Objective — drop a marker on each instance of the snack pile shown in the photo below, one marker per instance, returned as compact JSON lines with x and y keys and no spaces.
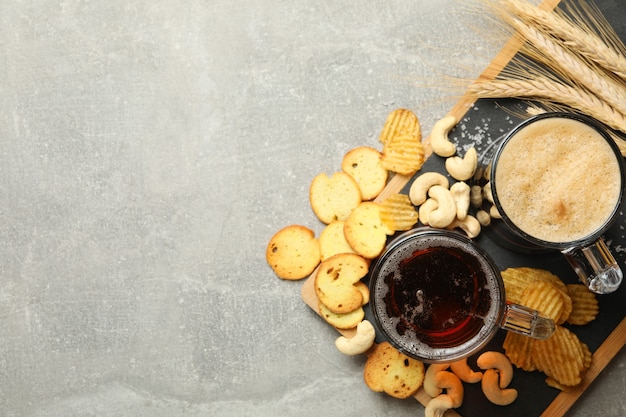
{"x":562,"y":357}
{"x":357,"y":226}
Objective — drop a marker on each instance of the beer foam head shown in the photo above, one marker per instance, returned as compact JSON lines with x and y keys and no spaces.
{"x":558,"y":180}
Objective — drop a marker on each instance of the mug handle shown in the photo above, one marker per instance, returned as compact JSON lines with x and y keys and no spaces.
{"x":596,"y":267}
{"x":523,"y":320}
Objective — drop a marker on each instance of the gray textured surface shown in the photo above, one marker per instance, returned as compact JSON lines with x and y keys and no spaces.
{"x":149,"y":150}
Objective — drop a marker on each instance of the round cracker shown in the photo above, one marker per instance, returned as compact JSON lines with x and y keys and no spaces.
{"x":335,"y":282}
{"x":293,"y":252}
{"x":333,"y":198}
{"x":390,"y":371}
{"x":365,"y":231}
{"x":364,"y":165}
{"x":344,"y":321}
{"x":333,"y":241}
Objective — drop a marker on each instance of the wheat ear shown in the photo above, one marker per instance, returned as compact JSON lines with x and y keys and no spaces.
{"x":584,"y":42}
{"x":573,"y":68}
{"x":546,"y":89}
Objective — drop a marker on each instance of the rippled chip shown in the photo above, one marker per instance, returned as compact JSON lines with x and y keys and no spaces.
{"x":517,"y":279}
{"x":400,"y":122}
{"x":585,"y":306}
{"x":518,"y":348}
{"x":403,"y":154}
{"x":397,"y":212}
{"x":588,"y":357}
{"x":562,"y":358}
{"x":567,"y":307}
{"x":548,"y":300}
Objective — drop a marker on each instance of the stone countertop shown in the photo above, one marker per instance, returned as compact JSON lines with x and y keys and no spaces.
{"x":150,"y":149}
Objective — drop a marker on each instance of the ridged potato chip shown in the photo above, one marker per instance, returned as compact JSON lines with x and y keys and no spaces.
{"x":397,"y":212}
{"x":400,"y":122}
{"x":403,"y":154}
{"x":516,"y":280}
{"x":567,"y":307}
{"x":561,"y":357}
{"x":546,"y":298}
{"x":518,"y":348}
{"x":585,"y":306}
{"x":551,"y":382}
{"x":588,"y":356}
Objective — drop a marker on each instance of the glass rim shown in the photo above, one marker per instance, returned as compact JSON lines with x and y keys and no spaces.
{"x":437,"y":354}
{"x":597,"y":126}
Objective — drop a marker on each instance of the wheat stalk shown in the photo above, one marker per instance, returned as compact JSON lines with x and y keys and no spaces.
{"x":547,"y":89}
{"x":549,"y":69}
{"x":584,"y":41}
{"x":571,"y":67}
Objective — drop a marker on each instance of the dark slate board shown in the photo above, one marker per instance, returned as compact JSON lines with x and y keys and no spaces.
{"x":484,"y":123}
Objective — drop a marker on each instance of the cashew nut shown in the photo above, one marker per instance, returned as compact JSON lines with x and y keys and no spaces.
{"x":425,"y":209}
{"x":469,"y":225}
{"x":438,"y":406}
{"x":499,"y":362}
{"x":421,"y":185}
{"x":487,"y":192}
{"x":464,"y":372}
{"x":483,"y":218}
{"x":476,"y":195}
{"x":453,"y":386}
{"x":487,"y":172}
{"x":493,"y":212}
{"x":439,"y":137}
{"x":463,"y":168}
{"x":430,"y":386}
{"x":461,"y":194}
{"x":493,"y":392}
{"x":445,"y":213}
{"x":360,"y":342}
